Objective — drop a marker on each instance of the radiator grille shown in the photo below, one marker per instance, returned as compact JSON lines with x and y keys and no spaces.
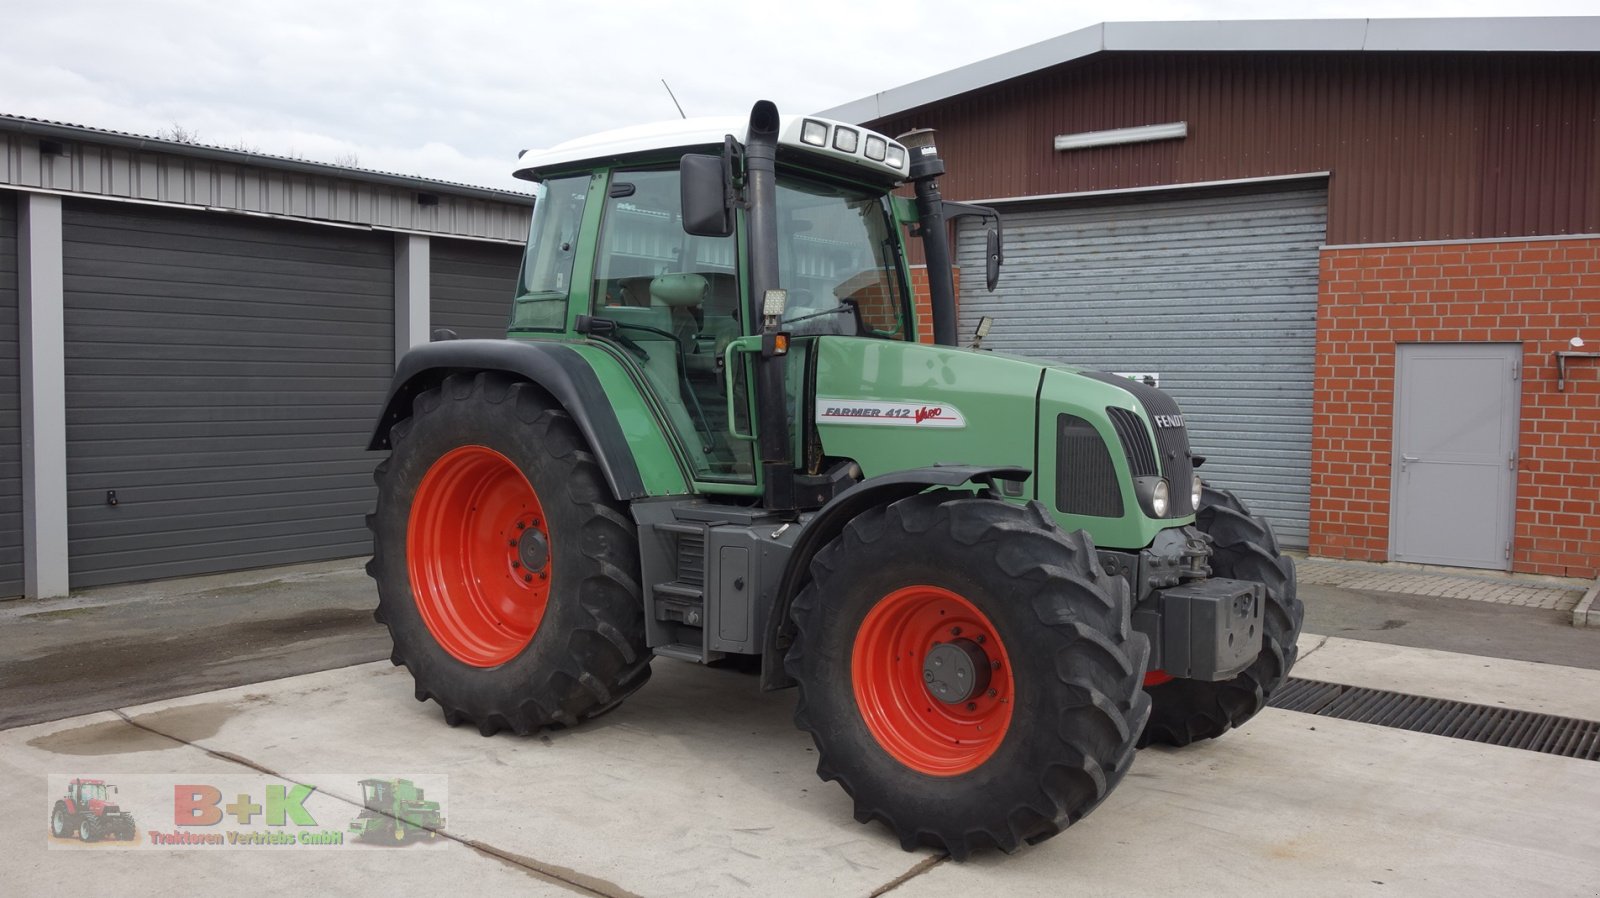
{"x":1086,"y":480}
{"x":1172,"y":442}
{"x":1135,"y":442}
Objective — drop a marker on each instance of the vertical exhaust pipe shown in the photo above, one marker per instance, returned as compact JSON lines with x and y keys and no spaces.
{"x":926,"y":167}
{"x":761,"y":153}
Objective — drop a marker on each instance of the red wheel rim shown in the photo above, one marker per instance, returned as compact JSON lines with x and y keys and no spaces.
{"x":476,"y":528}
{"x":920,"y":731}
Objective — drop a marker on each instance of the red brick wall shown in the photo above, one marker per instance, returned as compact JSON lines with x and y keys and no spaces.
{"x":1538,"y":293}
{"x":921,"y":305}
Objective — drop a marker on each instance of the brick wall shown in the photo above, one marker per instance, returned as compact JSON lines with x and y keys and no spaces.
{"x":921,"y":305}
{"x":1538,"y":293}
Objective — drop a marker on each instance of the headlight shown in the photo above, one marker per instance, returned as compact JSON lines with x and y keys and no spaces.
{"x":845,"y":139}
{"x":1194,"y":494}
{"x":1154,"y":495}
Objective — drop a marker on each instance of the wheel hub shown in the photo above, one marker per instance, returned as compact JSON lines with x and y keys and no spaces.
{"x":533,"y":550}
{"x":955,"y":671}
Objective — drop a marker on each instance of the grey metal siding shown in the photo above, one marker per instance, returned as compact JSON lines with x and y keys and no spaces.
{"x":10,"y":407}
{"x":472,"y":285}
{"x":1214,"y":291}
{"x":222,"y":375}
{"x":263,"y":188}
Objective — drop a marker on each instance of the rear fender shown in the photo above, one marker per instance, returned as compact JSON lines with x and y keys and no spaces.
{"x":830,"y":521}
{"x":557,"y":369}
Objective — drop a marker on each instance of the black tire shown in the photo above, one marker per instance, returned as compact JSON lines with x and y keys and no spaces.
{"x":86,"y":832}
{"x":1244,"y":548}
{"x":1077,"y":667}
{"x":62,"y":823}
{"x":588,"y":652}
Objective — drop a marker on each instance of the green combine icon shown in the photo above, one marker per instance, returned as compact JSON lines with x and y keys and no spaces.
{"x":395,"y":810}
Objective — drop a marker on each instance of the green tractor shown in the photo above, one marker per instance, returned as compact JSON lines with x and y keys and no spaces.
{"x":394,"y":811}
{"x":713,"y":435}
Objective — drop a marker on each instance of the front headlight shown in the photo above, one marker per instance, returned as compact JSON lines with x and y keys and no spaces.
{"x":1154,"y":495}
{"x":1161,"y":499}
{"x":1194,"y":494}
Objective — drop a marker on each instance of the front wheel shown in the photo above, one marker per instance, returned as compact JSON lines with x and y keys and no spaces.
{"x":968,"y":672}
{"x":1243,"y":548}
{"x":85,"y":832}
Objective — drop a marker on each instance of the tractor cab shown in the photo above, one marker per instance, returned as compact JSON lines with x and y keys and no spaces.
{"x":377,"y":795}
{"x":85,"y":792}
{"x":673,"y":293}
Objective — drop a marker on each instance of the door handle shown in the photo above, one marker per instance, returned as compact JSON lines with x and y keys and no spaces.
{"x":1404,"y":457}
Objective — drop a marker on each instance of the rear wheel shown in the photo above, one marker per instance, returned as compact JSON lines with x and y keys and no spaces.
{"x":1244,"y":548}
{"x":61,"y":823}
{"x":967,"y":671}
{"x":507,"y":575}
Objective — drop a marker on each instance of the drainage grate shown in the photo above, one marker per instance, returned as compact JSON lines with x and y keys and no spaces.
{"x":1564,"y":736}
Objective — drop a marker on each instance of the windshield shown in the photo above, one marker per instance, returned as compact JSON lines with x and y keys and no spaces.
{"x":552,"y":247}
{"x":92,"y":792}
{"x":839,"y":259}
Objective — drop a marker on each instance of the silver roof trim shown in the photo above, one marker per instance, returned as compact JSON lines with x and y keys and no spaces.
{"x":1552,"y":34}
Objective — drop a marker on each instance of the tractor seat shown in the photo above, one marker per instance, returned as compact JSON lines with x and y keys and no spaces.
{"x":678,"y":290}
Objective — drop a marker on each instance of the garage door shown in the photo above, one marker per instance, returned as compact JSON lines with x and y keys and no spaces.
{"x":472,"y":285}
{"x":10,"y":407}
{"x":222,"y":378}
{"x":1213,"y":292}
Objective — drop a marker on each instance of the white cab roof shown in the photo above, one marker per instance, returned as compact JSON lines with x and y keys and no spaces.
{"x":700,"y":133}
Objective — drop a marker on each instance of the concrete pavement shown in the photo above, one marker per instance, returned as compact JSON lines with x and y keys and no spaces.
{"x":700,"y":785}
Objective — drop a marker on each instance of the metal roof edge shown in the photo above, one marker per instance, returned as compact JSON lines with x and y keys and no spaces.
{"x":1498,"y":34}
{"x":66,"y":131}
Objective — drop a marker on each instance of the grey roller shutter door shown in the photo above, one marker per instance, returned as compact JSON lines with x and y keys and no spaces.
{"x":1215,"y":291}
{"x":10,"y":407}
{"x":223,"y":375}
{"x":472,"y":285}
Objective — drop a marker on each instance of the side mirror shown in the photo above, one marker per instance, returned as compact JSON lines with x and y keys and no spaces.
{"x":704,"y":188}
{"x":993,"y":256}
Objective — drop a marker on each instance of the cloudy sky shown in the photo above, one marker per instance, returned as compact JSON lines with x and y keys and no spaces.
{"x":454,"y":90}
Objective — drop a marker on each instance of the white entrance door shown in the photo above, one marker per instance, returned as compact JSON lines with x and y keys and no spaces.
{"x":1455,"y":454}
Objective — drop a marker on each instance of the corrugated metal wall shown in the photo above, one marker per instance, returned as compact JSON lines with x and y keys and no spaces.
{"x":10,"y":407}
{"x":222,"y":374}
{"x":1421,"y":146}
{"x":472,"y":285}
{"x":1214,"y":291}
{"x":116,"y":172}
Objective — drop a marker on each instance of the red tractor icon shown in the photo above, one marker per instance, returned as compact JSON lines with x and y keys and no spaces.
{"x":87,"y":811}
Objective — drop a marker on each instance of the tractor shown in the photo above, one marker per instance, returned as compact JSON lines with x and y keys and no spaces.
{"x":87,"y":812}
{"x":716,"y":432}
{"x":395,"y":810}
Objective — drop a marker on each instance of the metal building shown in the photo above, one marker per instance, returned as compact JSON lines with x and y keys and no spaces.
{"x":1262,"y":214}
{"x":193,"y":342}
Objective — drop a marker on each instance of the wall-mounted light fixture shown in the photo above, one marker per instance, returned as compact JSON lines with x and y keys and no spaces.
{"x":1562,"y":356}
{"x":1141,"y":134}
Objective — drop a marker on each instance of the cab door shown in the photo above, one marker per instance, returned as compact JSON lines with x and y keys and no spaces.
{"x":676,"y":303}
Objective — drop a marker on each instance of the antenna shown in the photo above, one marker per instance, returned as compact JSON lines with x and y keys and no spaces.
{"x":674,"y":98}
